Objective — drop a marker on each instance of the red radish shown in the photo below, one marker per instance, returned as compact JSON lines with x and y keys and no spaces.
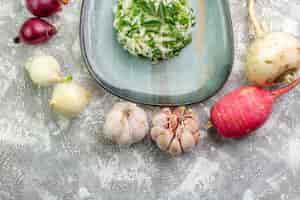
{"x":45,"y":8}
{"x":35,"y":31}
{"x":245,"y":109}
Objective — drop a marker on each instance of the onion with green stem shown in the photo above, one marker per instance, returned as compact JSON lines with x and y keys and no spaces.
{"x":69,"y":98}
{"x":272,"y":54}
{"x":45,"y":70}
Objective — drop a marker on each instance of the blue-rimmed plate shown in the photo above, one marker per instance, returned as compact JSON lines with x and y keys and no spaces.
{"x":196,"y":74}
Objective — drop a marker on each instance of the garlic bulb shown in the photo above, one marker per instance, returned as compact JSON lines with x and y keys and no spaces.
{"x":69,"y":98}
{"x":176,"y":131}
{"x":44,"y":70}
{"x":126,"y":124}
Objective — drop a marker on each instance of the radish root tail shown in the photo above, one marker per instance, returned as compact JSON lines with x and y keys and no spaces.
{"x":253,"y":19}
{"x":208,"y":125}
{"x":277,"y":93}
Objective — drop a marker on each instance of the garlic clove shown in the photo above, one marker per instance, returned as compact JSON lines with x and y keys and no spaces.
{"x":173,"y":122}
{"x":180,"y":131}
{"x":69,"y":99}
{"x":179,"y":112}
{"x":191,"y":125}
{"x":187,"y":141}
{"x":164,"y":139}
{"x":115,"y":124}
{"x":166,"y":111}
{"x":157,"y":131}
{"x":138,"y":122}
{"x":160,"y":120}
{"x":196,"y":136}
{"x":44,"y":70}
{"x":175,"y":149}
{"x":191,"y":114}
{"x":126,"y":137}
{"x":123,"y":107}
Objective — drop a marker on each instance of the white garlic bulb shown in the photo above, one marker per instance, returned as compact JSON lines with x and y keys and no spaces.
{"x":69,"y":98}
{"x":126,"y":124}
{"x":44,"y":70}
{"x":176,"y":131}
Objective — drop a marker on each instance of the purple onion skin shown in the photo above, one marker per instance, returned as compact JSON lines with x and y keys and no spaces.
{"x":36,"y":31}
{"x":44,"y":8}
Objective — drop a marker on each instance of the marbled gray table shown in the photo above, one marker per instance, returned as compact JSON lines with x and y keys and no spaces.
{"x":46,"y":157}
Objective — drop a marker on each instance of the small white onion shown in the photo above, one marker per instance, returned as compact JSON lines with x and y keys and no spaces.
{"x":126,"y":124}
{"x":44,"y":70}
{"x":69,"y":98}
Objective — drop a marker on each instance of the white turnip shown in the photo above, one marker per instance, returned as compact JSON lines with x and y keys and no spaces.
{"x":271,"y":54}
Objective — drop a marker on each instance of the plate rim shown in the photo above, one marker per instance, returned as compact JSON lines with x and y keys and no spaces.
{"x":108,"y":88}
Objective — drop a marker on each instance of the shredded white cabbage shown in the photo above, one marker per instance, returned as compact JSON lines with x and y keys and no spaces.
{"x":156,"y":29}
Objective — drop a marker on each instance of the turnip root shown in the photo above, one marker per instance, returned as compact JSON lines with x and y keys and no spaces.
{"x":271,"y":55}
{"x":245,"y":109}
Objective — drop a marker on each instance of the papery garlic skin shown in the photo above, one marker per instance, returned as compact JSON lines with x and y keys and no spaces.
{"x":43,"y":70}
{"x":175,"y":131}
{"x":126,"y":124}
{"x":69,"y":98}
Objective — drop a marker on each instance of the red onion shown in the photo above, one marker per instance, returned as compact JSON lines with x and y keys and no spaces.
{"x":35,"y":31}
{"x":45,"y":8}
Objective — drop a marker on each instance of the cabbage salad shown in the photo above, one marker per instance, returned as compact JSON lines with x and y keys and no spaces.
{"x":155,"y":29}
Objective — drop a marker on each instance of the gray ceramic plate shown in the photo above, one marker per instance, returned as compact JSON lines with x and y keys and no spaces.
{"x":196,"y":74}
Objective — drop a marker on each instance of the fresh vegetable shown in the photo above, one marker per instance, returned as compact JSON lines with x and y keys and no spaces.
{"x":44,"y":70}
{"x":245,"y":109}
{"x":45,"y":8}
{"x":36,"y":31}
{"x":175,"y":131}
{"x":126,"y":124}
{"x":69,"y":98}
{"x":156,"y":29}
{"x":271,"y":54}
